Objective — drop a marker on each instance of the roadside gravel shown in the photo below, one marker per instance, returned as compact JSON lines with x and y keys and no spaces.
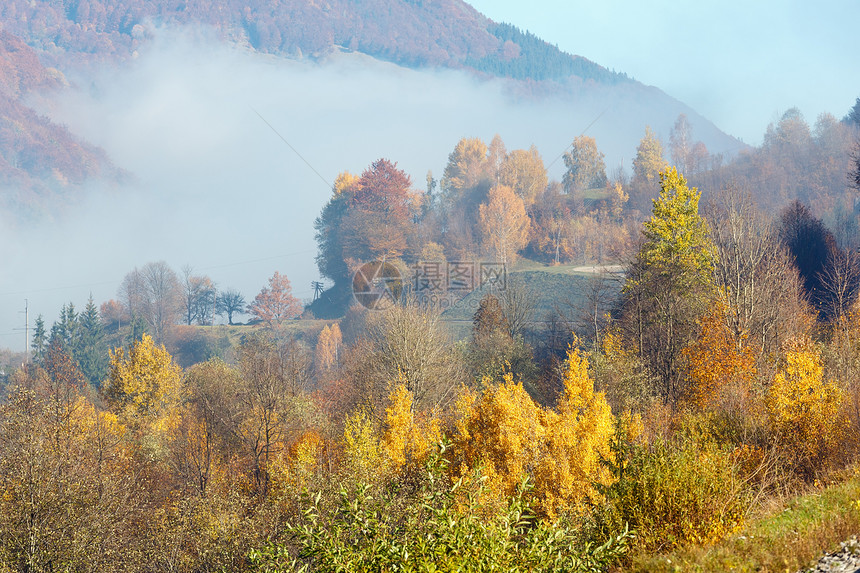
{"x":845,"y":560}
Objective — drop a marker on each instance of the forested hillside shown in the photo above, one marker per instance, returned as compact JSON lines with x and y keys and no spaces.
{"x":82,"y":39}
{"x":448,"y":33}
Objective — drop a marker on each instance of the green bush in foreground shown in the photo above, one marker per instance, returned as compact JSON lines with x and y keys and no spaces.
{"x":438,"y":528}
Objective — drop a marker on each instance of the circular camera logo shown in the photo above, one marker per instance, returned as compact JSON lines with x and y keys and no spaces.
{"x":377,"y":285}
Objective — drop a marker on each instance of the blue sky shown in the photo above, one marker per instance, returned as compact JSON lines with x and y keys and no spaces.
{"x":740,"y":64}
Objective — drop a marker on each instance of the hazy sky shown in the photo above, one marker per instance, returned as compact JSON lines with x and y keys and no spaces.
{"x":738,"y":63}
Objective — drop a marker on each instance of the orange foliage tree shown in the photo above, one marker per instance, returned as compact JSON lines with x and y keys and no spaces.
{"x":276,"y":303}
{"x":720,"y":372}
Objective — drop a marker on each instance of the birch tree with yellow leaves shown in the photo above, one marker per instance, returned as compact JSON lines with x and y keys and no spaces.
{"x":504,"y":224}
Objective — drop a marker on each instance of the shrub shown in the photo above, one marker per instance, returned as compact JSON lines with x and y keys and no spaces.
{"x":672,"y":493}
{"x":437,"y":527}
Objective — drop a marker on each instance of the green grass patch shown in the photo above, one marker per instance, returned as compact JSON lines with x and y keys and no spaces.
{"x":784,"y":538}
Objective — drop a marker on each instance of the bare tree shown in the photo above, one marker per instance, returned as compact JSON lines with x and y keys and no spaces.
{"x":840,"y":280}
{"x":758,"y":283}
{"x":409,"y":344}
{"x":600,"y":294}
{"x":519,"y":302}
{"x":198,"y":297}
{"x":230,"y":302}
{"x":153,"y":294}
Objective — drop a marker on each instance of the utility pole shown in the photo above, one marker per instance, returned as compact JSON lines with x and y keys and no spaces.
{"x":26,"y":313}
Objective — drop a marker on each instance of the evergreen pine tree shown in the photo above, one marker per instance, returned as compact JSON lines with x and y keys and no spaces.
{"x":40,"y":341}
{"x":92,"y":353}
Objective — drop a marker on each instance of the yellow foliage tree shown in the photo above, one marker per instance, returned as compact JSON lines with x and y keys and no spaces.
{"x":802,"y":408}
{"x":578,"y":438}
{"x":510,"y":437}
{"x":294,"y":469}
{"x":409,"y":436}
{"x":502,"y":432}
{"x":344,"y":182}
{"x":361,"y":452}
{"x":524,"y":172}
{"x":143,"y":386}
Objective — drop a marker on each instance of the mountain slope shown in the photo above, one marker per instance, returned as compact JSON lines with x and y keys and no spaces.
{"x":414,"y":33}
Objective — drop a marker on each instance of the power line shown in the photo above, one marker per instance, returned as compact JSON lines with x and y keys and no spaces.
{"x":580,"y":135}
{"x":328,"y":185}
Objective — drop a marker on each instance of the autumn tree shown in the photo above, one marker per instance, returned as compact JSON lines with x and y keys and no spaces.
{"x":550,"y":229}
{"x":504,"y":224}
{"x":510,"y":436}
{"x":579,"y":443}
{"x":670,"y":283}
{"x":70,"y":495}
{"x":647,"y":166}
{"x":113,"y":314}
{"x":468,"y":168}
{"x":328,"y":348}
{"x":802,"y":408}
{"x":143,"y":385}
{"x":524,"y":172}
{"x":585,"y":166}
{"x":466,"y":180}
{"x":721,"y":372}
{"x":275,"y":303}
{"x":408,"y":437}
{"x":377,"y":224}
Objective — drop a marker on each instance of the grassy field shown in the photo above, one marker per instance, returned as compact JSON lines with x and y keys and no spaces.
{"x":554,"y":289}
